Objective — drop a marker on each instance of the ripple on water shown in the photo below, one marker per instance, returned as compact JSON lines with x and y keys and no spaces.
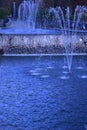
{"x":65,"y":72}
{"x":64,"y":67}
{"x":64,"y":77}
{"x":35,"y":70}
{"x":85,"y":127}
{"x":45,"y":76}
{"x":38,"y":69}
{"x":32,"y":71}
{"x":35,"y":73}
{"x":50,"y":67}
{"x":83,"y":76}
{"x":79,"y":67}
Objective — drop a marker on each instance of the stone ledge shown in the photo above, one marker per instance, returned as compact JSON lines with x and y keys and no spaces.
{"x":39,"y":44}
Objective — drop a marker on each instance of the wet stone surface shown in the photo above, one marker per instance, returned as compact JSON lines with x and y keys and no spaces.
{"x":34,"y":44}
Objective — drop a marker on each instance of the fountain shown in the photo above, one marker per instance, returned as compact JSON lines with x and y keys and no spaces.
{"x":69,"y":29}
{"x":36,"y":90}
{"x":27,"y":12}
{"x":26,"y":23}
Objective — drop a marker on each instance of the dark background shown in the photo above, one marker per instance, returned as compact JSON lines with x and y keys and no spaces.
{"x":47,"y":3}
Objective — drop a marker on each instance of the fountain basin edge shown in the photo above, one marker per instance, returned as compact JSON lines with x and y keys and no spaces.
{"x":39,"y":44}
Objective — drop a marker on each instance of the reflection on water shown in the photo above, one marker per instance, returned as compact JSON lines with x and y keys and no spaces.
{"x":40,"y":94}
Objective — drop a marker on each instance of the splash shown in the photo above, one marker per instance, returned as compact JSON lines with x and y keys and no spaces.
{"x":27,"y":13}
{"x":68,"y":28}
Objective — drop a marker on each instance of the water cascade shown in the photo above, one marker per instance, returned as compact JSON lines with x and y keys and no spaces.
{"x":68,"y":28}
{"x":27,"y":12}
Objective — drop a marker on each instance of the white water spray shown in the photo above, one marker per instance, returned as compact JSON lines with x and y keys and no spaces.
{"x":68,"y":28}
{"x":27,"y":12}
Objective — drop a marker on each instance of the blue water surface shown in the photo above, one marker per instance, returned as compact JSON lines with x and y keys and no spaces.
{"x":38,"y":93}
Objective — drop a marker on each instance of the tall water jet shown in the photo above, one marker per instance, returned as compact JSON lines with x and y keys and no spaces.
{"x":14,"y":10}
{"x":27,"y":12}
{"x":68,"y":28}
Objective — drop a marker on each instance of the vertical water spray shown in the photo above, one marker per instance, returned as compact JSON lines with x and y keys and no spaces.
{"x":14,"y":10}
{"x":68,"y":28}
{"x":27,"y":12}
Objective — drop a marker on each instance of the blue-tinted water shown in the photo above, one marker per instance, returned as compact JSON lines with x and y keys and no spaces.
{"x":38,"y":93}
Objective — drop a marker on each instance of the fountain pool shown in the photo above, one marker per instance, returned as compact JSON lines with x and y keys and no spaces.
{"x":38,"y":93}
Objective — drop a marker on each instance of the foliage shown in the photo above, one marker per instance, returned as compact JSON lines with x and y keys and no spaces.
{"x":84,"y":16}
{"x":4,"y":12}
{"x":42,"y":13}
